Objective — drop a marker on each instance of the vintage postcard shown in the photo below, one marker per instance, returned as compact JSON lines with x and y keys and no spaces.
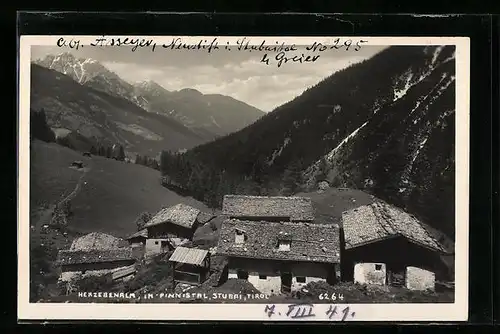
{"x":243,"y":178}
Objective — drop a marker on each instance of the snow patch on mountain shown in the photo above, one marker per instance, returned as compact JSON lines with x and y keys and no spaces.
{"x":399,"y":93}
{"x":278,"y":152}
{"x":214,"y":121}
{"x":332,"y":153}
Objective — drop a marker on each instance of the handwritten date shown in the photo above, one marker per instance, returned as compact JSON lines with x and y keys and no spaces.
{"x":301,"y":311}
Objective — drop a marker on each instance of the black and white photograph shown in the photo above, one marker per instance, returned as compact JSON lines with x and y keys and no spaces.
{"x":288,"y":177}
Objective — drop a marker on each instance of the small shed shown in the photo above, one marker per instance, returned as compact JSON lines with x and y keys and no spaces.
{"x":190,"y":265}
{"x":138,"y":238}
{"x":77,"y":164}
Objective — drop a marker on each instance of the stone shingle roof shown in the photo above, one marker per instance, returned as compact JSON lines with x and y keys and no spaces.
{"x":97,"y":240}
{"x":204,"y":217}
{"x":180,"y":214}
{"x":65,"y":257}
{"x":309,"y":242}
{"x":139,"y":234}
{"x":378,"y":221}
{"x":246,"y":207}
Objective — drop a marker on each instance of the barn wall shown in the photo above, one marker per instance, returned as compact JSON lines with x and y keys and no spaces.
{"x":137,"y":241}
{"x":397,"y":253}
{"x":312,"y":272}
{"x":153,"y":247}
{"x":69,"y":272}
{"x":370,"y":273}
{"x":271,"y":284}
{"x":168,"y":229}
{"x":138,"y":250}
{"x":419,"y":279}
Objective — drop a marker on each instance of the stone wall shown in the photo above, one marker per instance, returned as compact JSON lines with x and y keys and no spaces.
{"x":420,"y":279}
{"x":267,"y":279}
{"x":153,"y":247}
{"x":370,"y":273}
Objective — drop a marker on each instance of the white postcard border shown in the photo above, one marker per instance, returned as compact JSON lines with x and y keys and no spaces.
{"x":457,"y":311}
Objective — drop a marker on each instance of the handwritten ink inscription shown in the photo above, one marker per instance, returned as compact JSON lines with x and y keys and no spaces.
{"x":272,"y":52}
{"x":301,"y":311}
{"x":345,"y":313}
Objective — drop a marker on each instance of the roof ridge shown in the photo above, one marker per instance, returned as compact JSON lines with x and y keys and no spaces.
{"x":267,"y":197}
{"x":289,"y":223}
{"x":384,"y":221}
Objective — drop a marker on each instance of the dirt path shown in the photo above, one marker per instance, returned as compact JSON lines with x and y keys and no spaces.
{"x":45,"y":217}
{"x":75,"y":191}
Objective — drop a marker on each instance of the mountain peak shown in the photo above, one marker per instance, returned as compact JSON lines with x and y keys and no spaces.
{"x":190,"y":91}
{"x":149,"y":84}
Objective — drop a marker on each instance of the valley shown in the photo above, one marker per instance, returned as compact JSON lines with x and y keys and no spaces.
{"x":381,"y":130}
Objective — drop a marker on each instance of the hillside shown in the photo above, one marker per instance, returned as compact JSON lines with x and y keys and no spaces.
{"x":207,"y":115}
{"x":385,"y":125}
{"x":214,"y":113}
{"x":102,"y":117}
{"x":329,"y":204}
{"x":112,"y":193}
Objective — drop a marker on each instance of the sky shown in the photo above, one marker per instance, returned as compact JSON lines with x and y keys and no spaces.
{"x":239,"y":74}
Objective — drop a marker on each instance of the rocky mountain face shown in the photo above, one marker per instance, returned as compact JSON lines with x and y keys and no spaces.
{"x":207,"y":115}
{"x":385,"y":125}
{"x":71,"y":107}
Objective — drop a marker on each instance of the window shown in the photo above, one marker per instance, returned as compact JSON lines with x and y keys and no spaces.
{"x":284,"y":245}
{"x":262,"y":276}
{"x":378,"y":267}
{"x":239,"y":237}
{"x":156,"y":242}
{"x":300,"y":279}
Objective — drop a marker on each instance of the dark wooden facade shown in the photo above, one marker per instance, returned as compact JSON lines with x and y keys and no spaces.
{"x":166,"y":230}
{"x":97,"y":266}
{"x":397,"y":253}
{"x":190,"y":274}
{"x":284,"y":268}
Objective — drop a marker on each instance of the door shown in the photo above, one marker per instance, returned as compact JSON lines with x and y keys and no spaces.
{"x":164,"y":246}
{"x":242,"y":274}
{"x":286,"y":282}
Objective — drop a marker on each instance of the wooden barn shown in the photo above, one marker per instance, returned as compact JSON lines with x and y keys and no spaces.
{"x":138,"y":238}
{"x":190,"y":265}
{"x":177,"y":222}
{"x":280,"y":257}
{"x":383,"y":245}
{"x":138,"y":242}
{"x":96,"y":262}
{"x":268,"y":208}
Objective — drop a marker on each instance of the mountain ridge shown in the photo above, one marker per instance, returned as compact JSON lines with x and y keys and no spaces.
{"x":217,"y":114}
{"x":362,"y":127}
{"x":96,"y":115}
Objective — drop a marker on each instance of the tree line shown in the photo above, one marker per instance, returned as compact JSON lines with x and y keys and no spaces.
{"x":115,"y":151}
{"x":39,"y":129}
{"x":208,"y":183}
{"x":147,"y":161}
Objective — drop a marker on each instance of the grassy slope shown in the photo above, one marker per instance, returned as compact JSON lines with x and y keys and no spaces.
{"x":112,"y":195}
{"x":330,"y":204}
